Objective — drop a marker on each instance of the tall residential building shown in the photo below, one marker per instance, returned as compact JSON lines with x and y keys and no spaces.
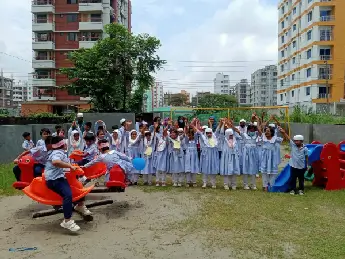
{"x":222,"y":84}
{"x":59,"y":27}
{"x":243,"y":93}
{"x":264,"y":86}
{"x":6,"y":92}
{"x":311,"y":53}
{"x":22,"y":92}
{"x":147,"y":101}
{"x":157,"y":95}
{"x":174,"y":99}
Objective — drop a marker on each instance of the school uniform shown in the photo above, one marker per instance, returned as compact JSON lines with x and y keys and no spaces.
{"x":28,"y":144}
{"x":230,"y":159}
{"x":176,"y":160}
{"x":160,"y":163}
{"x":40,"y":142}
{"x":134,"y":151}
{"x":92,"y":151}
{"x":72,"y":144}
{"x":250,"y":159}
{"x":241,"y":145}
{"x":191,"y":162}
{"x":148,"y":147}
{"x":269,"y":160}
{"x":298,"y":166}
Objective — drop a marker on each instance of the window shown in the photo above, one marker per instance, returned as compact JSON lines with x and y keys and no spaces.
{"x":309,"y":34}
{"x":283,"y":39}
{"x":294,"y":60}
{"x":281,"y":97}
{"x":72,"y":1}
{"x":72,"y":17}
{"x":283,"y":10}
{"x":294,"y":27}
{"x":282,"y":68}
{"x":282,"y":82}
{"x":293,"y":77}
{"x":282,"y":24}
{"x":96,"y":17}
{"x":61,"y":33}
{"x":41,"y":18}
{"x":275,"y":73}
{"x":294,"y":44}
{"x":309,"y":72}
{"x":307,"y":91}
{"x":292,"y":93}
{"x":310,"y":16}
{"x":294,"y":11}
{"x":72,"y":36}
{"x":309,"y":54}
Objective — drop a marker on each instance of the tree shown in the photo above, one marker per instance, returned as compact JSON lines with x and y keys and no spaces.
{"x":216,"y":101}
{"x":107,"y":71}
{"x":178,"y":99}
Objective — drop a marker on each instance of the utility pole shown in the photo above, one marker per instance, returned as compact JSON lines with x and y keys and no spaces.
{"x":3,"y":88}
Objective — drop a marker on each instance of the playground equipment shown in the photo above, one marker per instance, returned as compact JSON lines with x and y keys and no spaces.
{"x":26,"y":165}
{"x":38,"y":191}
{"x":327,"y":163}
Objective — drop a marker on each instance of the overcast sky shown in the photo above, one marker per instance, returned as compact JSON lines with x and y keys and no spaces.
{"x":197,"y":35}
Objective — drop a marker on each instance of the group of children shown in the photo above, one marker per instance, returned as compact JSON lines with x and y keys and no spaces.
{"x":179,"y":148}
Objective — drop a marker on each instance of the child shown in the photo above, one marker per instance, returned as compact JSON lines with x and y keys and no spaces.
{"x":90,"y":149}
{"x":230,"y":162}
{"x":161,"y":155}
{"x":75,"y":141}
{"x":176,"y":158}
{"x":243,"y":129}
{"x":115,"y":141}
{"x":298,"y":162}
{"x":250,"y":157}
{"x":44,"y":134}
{"x":57,"y":129}
{"x":269,"y":158}
{"x":87,"y":128}
{"x":56,"y":181}
{"x":148,"y":144}
{"x":28,"y":143}
{"x":111,"y":158}
{"x":134,"y":151}
{"x":209,"y":159}
{"x":191,"y":163}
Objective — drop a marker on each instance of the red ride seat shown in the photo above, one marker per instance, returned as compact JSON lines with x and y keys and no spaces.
{"x":95,"y":171}
{"x":39,"y":191}
{"x":117,"y":178}
{"x":26,"y":165}
{"x":77,"y":155}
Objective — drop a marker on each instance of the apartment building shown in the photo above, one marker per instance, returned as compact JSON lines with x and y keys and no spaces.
{"x":311,"y":59}
{"x":22,"y":92}
{"x":157,"y":95}
{"x":197,"y":96}
{"x":222,"y":84}
{"x":174,"y":99}
{"x":6,"y":92}
{"x":264,"y":86}
{"x":242,"y":90}
{"x":147,"y":101}
{"x":60,"y":27}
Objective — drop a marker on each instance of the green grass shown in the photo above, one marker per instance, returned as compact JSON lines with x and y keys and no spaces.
{"x":6,"y":180}
{"x":254,"y":224}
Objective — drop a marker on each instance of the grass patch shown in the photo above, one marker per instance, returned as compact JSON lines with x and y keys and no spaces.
{"x":6,"y":180}
{"x":254,"y":224}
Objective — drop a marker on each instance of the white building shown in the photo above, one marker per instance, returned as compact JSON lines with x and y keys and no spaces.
{"x":311,"y":53}
{"x":222,"y":84}
{"x":157,"y":95}
{"x":264,"y":86}
{"x":243,"y":92}
{"x":22,"y":92}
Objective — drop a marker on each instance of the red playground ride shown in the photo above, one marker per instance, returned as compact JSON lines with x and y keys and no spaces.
{"x":26,"y":165}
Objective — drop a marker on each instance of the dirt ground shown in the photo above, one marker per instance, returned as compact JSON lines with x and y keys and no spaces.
{"x":137,"y":225}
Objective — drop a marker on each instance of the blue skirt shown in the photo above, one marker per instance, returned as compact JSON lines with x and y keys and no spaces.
{"x":176,"y":162}
{"x":250,"y":160}
{"x":229,"y":163}
{"x":209,"y":161}
{"x":148,"y":165}
{"x":161,"y":161}
{"x":191,"y":162}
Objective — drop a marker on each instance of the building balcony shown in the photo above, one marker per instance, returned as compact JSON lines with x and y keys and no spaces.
{"x":41,"y":63}
{"x":43,"y":81}
{"x":42,"y":6}
{"x":42,"y":45}
{"x":325,"y":57}
{"x":324,"y":96}
{"x":325,"y":76}
{"x":44,"y":98}
{"x":93,"y":25}
{"x":87,"y":44}
{"x":90,"y":6}
{"x":327,"y":18}
{"x":42,"y":25}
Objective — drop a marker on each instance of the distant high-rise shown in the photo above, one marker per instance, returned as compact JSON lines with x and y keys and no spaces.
{"x":243,"y":93}
{"x":222,"y":84}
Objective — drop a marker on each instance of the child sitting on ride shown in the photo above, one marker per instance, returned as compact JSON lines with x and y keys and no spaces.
{"x":75,"y":141}
{"x":28,"y":143}
{"x":90,"y":149}
{"x":44,"y":134}
{"x":39,"y":153}
{"x":111,"y":158}
{"x":56,"y":181}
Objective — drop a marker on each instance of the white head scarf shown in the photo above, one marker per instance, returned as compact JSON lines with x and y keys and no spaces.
{"x":75,"y":144}
{"x":131,"y":141}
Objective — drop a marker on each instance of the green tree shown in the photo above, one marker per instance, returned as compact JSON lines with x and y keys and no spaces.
{"x":217,"y":101}
{"x":107,"y":71}
{"x":178,"y":99}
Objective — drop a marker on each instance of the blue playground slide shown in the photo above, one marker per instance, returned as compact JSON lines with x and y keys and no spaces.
{"x":282,"y":181}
